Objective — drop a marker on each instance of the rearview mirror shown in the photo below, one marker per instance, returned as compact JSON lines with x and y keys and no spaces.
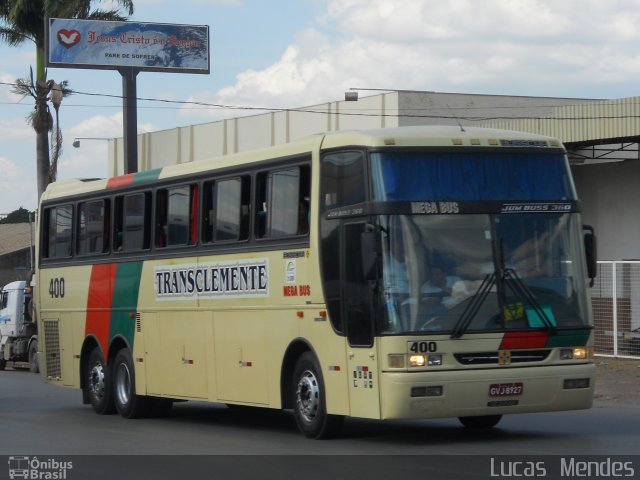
{"x":370,"y":250}
{"x":590,"y":250}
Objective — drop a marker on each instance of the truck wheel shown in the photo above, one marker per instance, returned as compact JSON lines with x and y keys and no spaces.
{"x":128,"y":403}
{"x":486,"y":421}
{"x":98,"y":384}
{"x":34,"y":357}
{"x":309,"y":404}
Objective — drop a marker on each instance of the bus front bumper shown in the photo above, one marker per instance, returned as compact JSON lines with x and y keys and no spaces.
{"x":494,"y":391}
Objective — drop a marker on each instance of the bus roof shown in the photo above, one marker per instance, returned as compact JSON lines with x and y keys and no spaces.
{"x":434,"y":136}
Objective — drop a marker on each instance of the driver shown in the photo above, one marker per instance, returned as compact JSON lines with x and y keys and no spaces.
{"x":442,"y":292}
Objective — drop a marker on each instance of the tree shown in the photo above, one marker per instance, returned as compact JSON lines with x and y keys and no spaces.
{"x":22,"y":215}
{"x":24,"y":20}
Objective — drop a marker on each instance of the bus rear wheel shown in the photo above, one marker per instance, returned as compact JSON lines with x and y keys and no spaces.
{"x":128,"y":403}
{"x":98,"y":384}
{"x":486,"y":421}
{"x":309,"y":404}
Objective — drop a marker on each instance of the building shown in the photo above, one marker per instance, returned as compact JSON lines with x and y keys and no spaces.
{"x":601,"y":137}
{"x":15,"y":252}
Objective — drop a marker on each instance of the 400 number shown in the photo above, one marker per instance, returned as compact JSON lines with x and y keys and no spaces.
{"x":423,"y":347}
{"x":56,"y":287}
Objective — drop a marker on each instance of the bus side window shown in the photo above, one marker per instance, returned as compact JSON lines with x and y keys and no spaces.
{"x":342,"y":179}
{"x":174,"y":223}
{"x":131,"y":222}
{"x":231,"y":209}
{"x":283,"y":202}
{"x":92,"y":235}
{"x":208,"y":214}
{"x":226,"y":209}
{"x":59,"y":226}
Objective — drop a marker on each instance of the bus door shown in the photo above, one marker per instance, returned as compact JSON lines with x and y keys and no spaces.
{"x":358,"y":311}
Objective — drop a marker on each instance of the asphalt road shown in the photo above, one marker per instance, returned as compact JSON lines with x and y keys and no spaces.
{"x":44,"y":420}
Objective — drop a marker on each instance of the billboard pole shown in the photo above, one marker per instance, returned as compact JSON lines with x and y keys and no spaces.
{"x":130,"y":118}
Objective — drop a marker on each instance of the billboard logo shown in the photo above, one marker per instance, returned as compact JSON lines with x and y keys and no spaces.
{"x":68,"y":38}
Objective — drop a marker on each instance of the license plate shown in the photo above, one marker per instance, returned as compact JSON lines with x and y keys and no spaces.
{"x":505,"y":389}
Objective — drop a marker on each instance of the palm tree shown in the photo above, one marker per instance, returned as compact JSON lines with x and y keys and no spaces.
{"x":22,"y":20}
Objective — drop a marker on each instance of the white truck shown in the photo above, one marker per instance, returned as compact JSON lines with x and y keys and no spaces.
{"x":18,"y":329}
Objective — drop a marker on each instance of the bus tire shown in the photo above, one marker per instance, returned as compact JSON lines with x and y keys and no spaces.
{"x":309,"y":403}
{"x":33,"y":357}
{"x":128,"y":403}
{"x":98,"y":384}
{"x":486,"y":421}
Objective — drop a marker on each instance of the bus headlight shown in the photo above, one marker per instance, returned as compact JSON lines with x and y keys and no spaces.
{"x":417,"y":360}
{"x":578,"y":353}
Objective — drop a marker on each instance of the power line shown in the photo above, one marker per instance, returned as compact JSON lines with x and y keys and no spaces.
{"x":362,"y":113}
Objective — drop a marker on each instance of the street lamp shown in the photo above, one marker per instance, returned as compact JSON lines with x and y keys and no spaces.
{"x":76,"y":141}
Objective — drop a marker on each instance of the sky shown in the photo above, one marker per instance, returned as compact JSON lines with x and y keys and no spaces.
{"x":295,"y":53}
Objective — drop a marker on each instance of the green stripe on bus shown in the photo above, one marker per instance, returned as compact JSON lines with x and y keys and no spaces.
{"x":569,"y":338}
{"x":125,"y":300}
{"x":147,"y":176}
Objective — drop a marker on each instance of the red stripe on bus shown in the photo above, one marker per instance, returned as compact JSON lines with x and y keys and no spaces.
{"x":99,"y":304}
{"x":121,"y":181}
{"x":520,"y":340}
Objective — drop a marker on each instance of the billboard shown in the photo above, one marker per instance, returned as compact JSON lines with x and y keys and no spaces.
{"x":99,"y":44}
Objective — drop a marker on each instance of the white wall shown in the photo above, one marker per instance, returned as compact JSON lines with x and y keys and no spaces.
{"x":610,"y":195}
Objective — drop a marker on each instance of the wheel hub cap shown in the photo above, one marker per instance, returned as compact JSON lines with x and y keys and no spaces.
{"x":123,"y":384}
{"x":96,"y":381}
{"x":308,"y":396}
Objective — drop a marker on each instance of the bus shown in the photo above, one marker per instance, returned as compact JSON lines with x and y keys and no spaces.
{"x":399,"y":273}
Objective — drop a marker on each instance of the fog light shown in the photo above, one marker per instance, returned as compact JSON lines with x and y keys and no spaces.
{"x":417,"y":360}
{"x":396,"y":361}
{"x":435,"y":391}
{"x":573,"y":383}
{"x":434,"y":360}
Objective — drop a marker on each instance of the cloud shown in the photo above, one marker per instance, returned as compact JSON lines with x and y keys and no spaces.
{"x":16,"y":187}
{"x":90,"y":160}
{"x":9,"y":169}
{"x":518,"y":47}
{"x":16,"y":129}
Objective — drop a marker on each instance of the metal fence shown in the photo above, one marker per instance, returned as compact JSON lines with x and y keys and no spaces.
{"x":615,"y":298}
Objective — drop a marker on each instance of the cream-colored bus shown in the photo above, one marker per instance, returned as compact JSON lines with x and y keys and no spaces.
{"x":407,"y":273}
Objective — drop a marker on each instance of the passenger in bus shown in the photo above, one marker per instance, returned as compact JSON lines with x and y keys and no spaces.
{"x":442,"y":292}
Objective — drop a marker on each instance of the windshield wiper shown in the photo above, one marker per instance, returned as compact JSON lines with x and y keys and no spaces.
{"x":520,"y":289}
{"x":474,"y":305}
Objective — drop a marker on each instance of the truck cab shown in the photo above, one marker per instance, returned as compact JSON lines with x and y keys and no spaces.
{"x":18,"y":330}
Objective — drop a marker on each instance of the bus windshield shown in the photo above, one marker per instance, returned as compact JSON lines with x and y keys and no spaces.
{"x":492,"y":271}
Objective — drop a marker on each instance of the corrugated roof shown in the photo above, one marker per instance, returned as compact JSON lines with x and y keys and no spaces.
{"x":584,"y":123}
{"x":14,"y":237}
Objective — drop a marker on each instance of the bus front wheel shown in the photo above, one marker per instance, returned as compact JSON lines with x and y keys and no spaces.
{"x":487,"y":421}
{"x":128,"y":403}
{"x":98,"y":384}
{"x":309,"y":404}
